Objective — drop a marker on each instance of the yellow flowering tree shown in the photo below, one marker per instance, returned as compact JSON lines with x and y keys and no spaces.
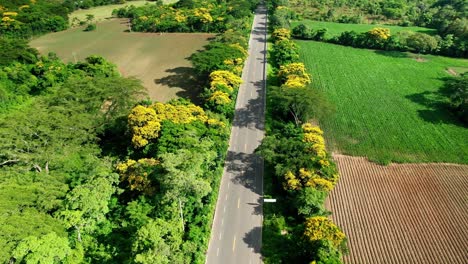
{"x":321,"y":228}
{"x":294,"y":75}
{"x":224,"y":78}
{"x":136,"y":174}
{"x":145,"y":121}
{"x":281,"y":34}
{"x":220,"y":98}
{"x":379,"y":33}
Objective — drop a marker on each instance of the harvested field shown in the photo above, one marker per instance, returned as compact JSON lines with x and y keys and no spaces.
{"x":159,"y":60}
{"x":402,"y":213}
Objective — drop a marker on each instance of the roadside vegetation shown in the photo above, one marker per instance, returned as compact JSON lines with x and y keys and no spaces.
{"x":93,"y":172}
{"x":299,"y":172}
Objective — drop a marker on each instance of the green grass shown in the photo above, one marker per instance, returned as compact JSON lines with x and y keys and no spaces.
{"x":159,"y":60}
{"x":335,"y":29}
{"x":387,"y":107}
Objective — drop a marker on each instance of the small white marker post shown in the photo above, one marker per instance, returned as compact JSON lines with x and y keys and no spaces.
{"x":269,"y":200}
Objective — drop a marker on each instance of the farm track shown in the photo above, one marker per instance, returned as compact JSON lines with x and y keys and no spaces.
{"x":402,"y":213}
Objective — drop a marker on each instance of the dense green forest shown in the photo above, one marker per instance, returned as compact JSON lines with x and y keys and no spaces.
{"x":91,"y":171}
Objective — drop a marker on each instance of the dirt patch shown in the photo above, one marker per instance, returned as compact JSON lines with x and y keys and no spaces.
{"x":452,"y":72}
{"x":419,"y":59}
{"x":402,"y":213}
{"x":160,"y":61}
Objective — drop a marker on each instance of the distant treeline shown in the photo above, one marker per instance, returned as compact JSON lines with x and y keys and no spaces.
{"x":27,"y":18}
{"x":449,"y":18}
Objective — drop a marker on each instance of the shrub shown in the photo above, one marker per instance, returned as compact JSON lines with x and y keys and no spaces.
{"x":422,"y":43}
{"x":284,"y":52}
{"x":90,"y":27}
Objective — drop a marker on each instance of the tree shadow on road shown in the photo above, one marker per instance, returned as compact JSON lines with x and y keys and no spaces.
{"x":251,"y":115}
{"x":253,"y":239}
{"x":244,"y":169}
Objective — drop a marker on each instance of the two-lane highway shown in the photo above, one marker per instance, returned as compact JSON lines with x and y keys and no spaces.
{"x":236,"y":236}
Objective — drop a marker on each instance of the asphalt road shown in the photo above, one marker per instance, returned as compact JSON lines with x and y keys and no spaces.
{"x":236,"y":236}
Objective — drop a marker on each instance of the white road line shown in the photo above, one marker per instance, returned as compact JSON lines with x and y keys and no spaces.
{"x":229,"y":184}
{"x":226,"y":197}
{"x":238,"y":203}
{"x":245,"y":147}
{"x":220,"y":236}
{"x":217,"y":252}
{"x":251,"y":93}
{"x":234,"y":244}
{"x":222,"y":221}
{"x":224,"y":208}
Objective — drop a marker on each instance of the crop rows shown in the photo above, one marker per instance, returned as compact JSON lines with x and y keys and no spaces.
{"x":406,"y":213}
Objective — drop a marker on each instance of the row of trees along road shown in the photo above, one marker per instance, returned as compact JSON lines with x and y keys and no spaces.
{"x":91,"y":172}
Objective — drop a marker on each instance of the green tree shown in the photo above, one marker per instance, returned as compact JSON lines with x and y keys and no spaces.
{"x":49,"y":248}
{"x":157,"y":242}
{"x":87,"y":204}
{"x":422,"y":43}
{"x":302,"y":104}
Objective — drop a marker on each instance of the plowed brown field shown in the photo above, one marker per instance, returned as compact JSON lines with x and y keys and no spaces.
{"x":402,"y":213}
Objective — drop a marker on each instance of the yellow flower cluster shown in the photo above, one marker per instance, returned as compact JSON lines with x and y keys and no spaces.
{"x":23,"y":7}
{"x":135,"y":173}
{"x":306,"y":178}
{"x":292,"y":183}
{"x":380,"y":33}
{"x":220,"y":98}
{"x":145,"y":122}
{"x":225,"y":78}
{"x":5,"y":14}
{"x":314,"y":136}
{"x":319,"y":227}
{"x":281,"y":34}
{"x":203,"y":14}
{"x":294,"y":75}
{"x":179,"y":17}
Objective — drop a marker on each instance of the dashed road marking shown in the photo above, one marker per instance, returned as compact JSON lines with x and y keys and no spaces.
{"x":217,"y":252}
{"x":234,"y":244}
{"x":238,"y":203}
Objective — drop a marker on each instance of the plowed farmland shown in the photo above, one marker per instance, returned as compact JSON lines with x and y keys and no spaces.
{"x":402,"y":213}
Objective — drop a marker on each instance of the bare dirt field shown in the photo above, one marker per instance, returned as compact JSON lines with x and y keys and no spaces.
{"x":402,"y":213}
{"x":159,"y":60}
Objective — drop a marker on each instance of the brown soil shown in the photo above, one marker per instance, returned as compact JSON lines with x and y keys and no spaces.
{"x":402,"y":213}
{"x":160,"y":61}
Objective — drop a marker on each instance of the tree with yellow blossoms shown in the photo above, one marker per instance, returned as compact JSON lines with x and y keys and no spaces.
{"x":281,"y":34}
{"x":294,"y":75}
{"x":224,"y":78}
{"x":137,"y":174}
{"x":145,"y":121}
{"x":322,"y":228}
